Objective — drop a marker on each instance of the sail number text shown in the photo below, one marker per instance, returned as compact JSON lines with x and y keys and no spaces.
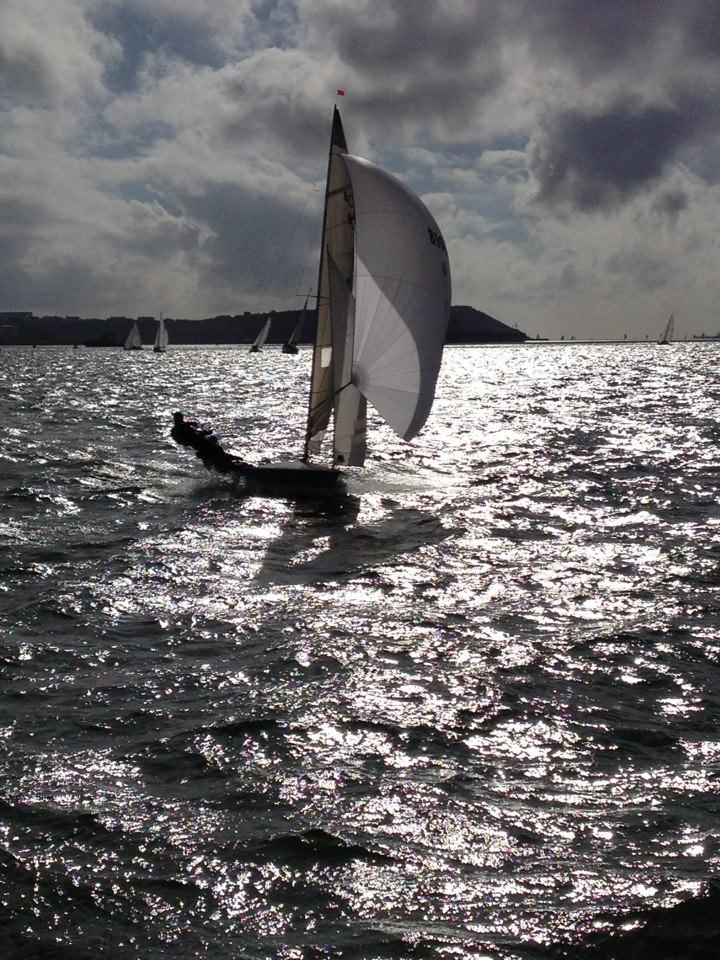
{"x":437,"y":240}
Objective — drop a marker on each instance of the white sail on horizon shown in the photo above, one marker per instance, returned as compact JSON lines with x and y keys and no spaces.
{"x":161,"y":337}
{"x":669,"y":331}
{"x":261,"y":337}
{"x":133,"y":341}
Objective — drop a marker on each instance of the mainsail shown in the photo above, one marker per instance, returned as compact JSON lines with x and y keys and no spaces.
{"x":383,"y":306}
{"x":261,"y":338}
{"x":161,"y":337}
{"x":337,"y":244}
{"x":669,"y":331}
{"x":133,"y":341}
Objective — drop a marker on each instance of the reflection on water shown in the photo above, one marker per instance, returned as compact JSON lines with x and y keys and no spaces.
{"x":468,"y":710}
{"x":332,"y":540}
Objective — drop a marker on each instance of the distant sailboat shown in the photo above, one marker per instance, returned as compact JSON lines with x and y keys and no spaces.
{"x":291,"y":345}
{"x":161,"y":337}
{"x":133,"y":341}
{"x":669,"y":331}
{"x":261,"y":338}
{"x":383,"y":301}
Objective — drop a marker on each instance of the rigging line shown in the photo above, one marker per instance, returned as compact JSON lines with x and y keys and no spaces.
{"x":303,"y":267}
{"x":332,"y":396}
{"x":284,"y":249}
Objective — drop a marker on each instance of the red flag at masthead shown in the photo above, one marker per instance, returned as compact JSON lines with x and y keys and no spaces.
{"x":341,"y":93}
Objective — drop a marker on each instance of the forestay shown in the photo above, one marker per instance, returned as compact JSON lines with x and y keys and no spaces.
{"x":402,"y":297}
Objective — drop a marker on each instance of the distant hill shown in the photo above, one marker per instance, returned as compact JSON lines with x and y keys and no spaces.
{"x":467,"y":325}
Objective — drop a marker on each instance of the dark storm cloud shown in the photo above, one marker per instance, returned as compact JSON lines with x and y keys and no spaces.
{"x":670,"y":204}
{"x":24,"y":76}
{"x":257,"y":244}
{"x":141,"y":32}
{"x":645,"y":271}
{"x":432,"y":61}
{"x":590,"y":35}
{"x":66,"y":284}
{"x":156,"y":237}
{"x":17,"y":211}
{"x":392,"y":37}
{"x":701,"y":20}
{"x":441,"y":65}
{"x":292,"y":121}
{"x":450,"y":100}
{"x":221,"y":102}
{"x":594,"y":160}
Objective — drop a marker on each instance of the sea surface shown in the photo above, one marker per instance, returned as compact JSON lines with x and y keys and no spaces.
{"x":469,"y":710}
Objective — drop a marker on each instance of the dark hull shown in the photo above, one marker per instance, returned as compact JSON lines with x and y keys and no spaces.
{"x":296,"y":479}
{"x":289,"y":478}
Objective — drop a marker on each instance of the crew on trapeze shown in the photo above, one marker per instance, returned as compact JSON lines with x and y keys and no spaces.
{"x":205,"y":444}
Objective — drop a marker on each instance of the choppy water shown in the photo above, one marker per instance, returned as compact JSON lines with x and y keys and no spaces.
{"x":471,"y":711}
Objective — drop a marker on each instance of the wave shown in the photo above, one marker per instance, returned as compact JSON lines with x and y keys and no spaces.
{"x":690,"y":930}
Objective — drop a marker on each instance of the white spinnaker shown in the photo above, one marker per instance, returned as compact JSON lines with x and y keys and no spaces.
{"x":402,"y":297}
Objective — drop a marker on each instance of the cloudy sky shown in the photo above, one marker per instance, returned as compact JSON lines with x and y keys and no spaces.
{"x":169,"y":154}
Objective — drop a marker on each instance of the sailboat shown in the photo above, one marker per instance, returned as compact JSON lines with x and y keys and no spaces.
{"x":669,"y":331}
{"x":291,"y":345}
{"x":161,"y":337}
{"x":133,"y":341}
{"x":383,"y":299}
{"x":261,"y":338}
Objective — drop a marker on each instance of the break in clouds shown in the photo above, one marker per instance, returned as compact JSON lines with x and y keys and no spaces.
{"x":168,"y":154}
